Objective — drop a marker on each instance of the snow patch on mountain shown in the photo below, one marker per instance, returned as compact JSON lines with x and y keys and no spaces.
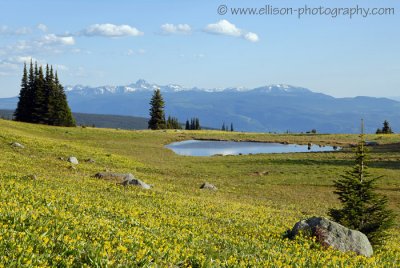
{"x":142,"y":86}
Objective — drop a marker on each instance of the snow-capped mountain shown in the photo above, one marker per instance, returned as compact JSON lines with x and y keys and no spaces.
{"x":142,"y":85}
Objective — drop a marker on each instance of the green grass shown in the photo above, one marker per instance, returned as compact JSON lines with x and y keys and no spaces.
{"x":68,"y":218}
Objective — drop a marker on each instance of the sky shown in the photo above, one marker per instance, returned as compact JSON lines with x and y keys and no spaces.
{"x":203,"y":44}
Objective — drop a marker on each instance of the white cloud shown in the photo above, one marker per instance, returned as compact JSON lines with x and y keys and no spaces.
{"x":13,"y":65}
{"x":111,"y":30}
{"x":5,"y":30}
{"x":60,"y":67}
{"x":59,"y":40}
{"x":132,"y":52}
{"x":169,"y":28}
{"x":42,"y":27}
{"x":252,"y":37}
{"x":224,"y":27}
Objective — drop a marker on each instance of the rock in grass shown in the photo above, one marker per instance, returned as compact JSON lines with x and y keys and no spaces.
{"x":90,"y":160}
{"x":17,"y":145}
{"x":125,"y":179}
{"x":30,"y":177}
{"x":331,"y":234}
{"x":73,"y":160}
{"x":208,"y":186}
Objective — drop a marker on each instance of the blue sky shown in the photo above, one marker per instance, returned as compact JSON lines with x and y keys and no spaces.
{"x":187,"y":42}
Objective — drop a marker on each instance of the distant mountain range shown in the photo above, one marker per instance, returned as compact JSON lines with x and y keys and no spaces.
{"x":273,"y":108}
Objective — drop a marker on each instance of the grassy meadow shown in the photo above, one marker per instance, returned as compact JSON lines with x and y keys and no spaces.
{"x":66,"y":217}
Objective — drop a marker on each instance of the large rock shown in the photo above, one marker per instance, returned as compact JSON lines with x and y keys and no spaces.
{"x":17,"y":145}
{"x":208,"y":186}
{"x":73,"y":160}
{"x":332,"y":234}
{"x":125,"y":179}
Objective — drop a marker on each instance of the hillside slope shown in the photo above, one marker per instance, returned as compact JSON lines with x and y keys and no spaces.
{"x":66,"y":217}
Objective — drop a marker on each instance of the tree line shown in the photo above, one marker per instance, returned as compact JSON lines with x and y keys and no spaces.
{"x":42,"y":99}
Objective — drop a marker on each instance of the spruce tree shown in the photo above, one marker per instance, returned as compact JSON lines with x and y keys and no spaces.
{"x":39,"y":106}
{"x":386,"y":128}
{"x":22,"y":112}
{"x":157,"y":116}
{"x":197,"y":124}
{"x":42,"y":98}
{"x":223,"y":126}
{"x":192,"y":124}
{"x":62,"y":112}
{"x":363,"y":208}
{"x":187,"y":126}
{"x":231,"y":127}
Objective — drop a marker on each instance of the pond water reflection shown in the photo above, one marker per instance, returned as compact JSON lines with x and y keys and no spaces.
{"x":208,"y":148}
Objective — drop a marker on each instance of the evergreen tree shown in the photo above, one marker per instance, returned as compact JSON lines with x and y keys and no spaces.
{"x":192,"y":124}
{"x":223,"y":126}
{"x":187,"y":127}
{"x":197,"y":124}
{"x":42,"y":98}
{"x":62,"y":115}
{"x":231,"y":127}
{"x":22,"y":112}
{"x":173,"y":123}
{"x":386,"y":128}
{"x":39,"y":105}
{"x":157,"y":116}
{"x":363,"y":209}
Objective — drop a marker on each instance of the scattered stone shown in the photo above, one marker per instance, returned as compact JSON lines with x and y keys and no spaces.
{"x":124,"y":179}
{"x":17,"y":145}
{"x":332,"y":234}
{"x":260,"y":173}
{"x":73,"y":160}
{"x":61,"y":158}
{"x":30,"y":177}
{"x":90,"y":160}
{"x":208,"y":186}
{"x":72,"y":168}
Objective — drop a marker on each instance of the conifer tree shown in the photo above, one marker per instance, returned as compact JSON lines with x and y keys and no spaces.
{"x":187,"y":127}
{"x":197,"y":124}
{"x":363,"y":208}
{"x":386,"y":128}
{"x":42,"y":98}
{"x":62,"y":112}
{"x":223,"y":126}
{"x":232,"y":127}
{"x":192,"y":124}
{"x":157,"y":116}
{"x":22,"y":112}
{"x":39,"y":105}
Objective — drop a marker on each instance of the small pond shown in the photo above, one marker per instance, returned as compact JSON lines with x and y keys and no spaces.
{"x":209,"y":148}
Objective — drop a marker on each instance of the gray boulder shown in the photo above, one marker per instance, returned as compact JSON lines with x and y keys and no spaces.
{"x":208,"y":186}
{"x":17,"y":145}
{"x":124,"y":179}
{"x":73,"y":160}
{"x":332,"y":234}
